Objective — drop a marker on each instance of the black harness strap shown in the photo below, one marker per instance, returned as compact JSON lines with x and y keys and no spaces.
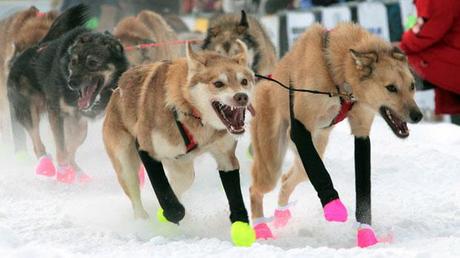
{"x":231,"y":183}
{"x":363,"y":180}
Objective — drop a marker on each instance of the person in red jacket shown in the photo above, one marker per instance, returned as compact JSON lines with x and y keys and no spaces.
{"x":433,"y":48}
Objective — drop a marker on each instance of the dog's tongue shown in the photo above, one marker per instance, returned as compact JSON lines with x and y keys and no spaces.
{"x":251,"y":110}
{"x":85,"y":100}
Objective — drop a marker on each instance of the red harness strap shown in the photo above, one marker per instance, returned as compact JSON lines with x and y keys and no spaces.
{"x":189,"y":141}
{"x":345,"y":107}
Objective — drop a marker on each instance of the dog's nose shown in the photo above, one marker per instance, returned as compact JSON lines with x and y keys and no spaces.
{"x":74,"y":83}
{"x":241,"y":99}
{"x":415,"y":115}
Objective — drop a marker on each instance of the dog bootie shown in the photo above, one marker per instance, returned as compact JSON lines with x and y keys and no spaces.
{"x":242,"y":234}
{"x":263,"y":231}
{"x":45,"y":167}
{"x":66,"y":174}
{"x":335,"y":211}
{"x":282,"y":217}
{"x":366,"y":236}
{"x":141,"y":176}
{"x":84,"y":178}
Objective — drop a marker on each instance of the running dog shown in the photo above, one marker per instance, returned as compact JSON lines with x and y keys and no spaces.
{"x":364,"y":75}
{"x":166,"y":114}
{"x":70,"y":75}
{"x":147,"y":27}
{"x":225,"y":29}
{"x":19,"y":32}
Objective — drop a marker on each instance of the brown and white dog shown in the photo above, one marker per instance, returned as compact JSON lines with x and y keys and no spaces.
{"x":224,"y":30}
{"x":19,"y":32}
{"x":147,"y":27}
{"x":167,"y":114}
{"x":348,"y":60}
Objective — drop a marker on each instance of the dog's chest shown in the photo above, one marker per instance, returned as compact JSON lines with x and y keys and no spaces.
{"x":327,"y":116}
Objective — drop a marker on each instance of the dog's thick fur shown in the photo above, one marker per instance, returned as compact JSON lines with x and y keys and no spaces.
{"x":141,"y":110}
{"x":70,"y":75}
{"x":353,"y":56}
{"x":225,"y":29}
{"x":19,"y":32}
{"x":147,"y":27}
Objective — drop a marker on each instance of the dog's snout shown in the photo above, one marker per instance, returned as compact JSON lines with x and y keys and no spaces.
{"x":74,"y":83}
{"x":241,"y":99}
{"x":415,"y":115}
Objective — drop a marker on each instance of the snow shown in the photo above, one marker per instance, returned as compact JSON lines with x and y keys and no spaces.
{"x":416,"y":201}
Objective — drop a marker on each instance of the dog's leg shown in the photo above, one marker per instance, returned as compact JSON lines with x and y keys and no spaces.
{"x":224,"y":153}
{"x":334,"y":210}
{"x":34,"y":132}
{"x":75,"y":129}
{"x":181,"y":174}
{"x":266,"y":168}
{"x":296,"y":175}
{"x":360,"y":122}
{"x":122,"y":151}
{"x":57,"y":127}
{"x":173,"y":210}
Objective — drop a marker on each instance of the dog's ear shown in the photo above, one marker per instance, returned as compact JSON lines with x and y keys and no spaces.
{"x":397,"y":54}
{"x":242,"y":56}
{"x":194,"y":61}
{"x":244,"y":24}
{"x":364,"y":61}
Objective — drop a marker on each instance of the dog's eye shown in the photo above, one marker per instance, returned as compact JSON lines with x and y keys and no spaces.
{"x":392,"y":88}
{"x":244,"y":82}
{"x":91,"y":63}
{"x":412,"y":86}
{"x":219,"y":84}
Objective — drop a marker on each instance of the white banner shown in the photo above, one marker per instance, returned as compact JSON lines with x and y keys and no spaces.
{"x":271,"y":25}
{"x":297,"y":23}
{"x":373,"y":17}
{"x":333,"y":15}
{"x":189,"y":21}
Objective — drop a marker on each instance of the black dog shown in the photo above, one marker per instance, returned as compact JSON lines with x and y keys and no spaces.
{"x":70,"y":75}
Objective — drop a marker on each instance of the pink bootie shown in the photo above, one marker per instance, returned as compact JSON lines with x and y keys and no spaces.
{"x":366,"y":237}
{"x":83,"y":178}
{"x":45,"y":167}
{"x":66,"y":174}
{"x":282,"y":217}
{"x":335,"y":211}
{"x":263,"y":231}
{"x":141,"y":175}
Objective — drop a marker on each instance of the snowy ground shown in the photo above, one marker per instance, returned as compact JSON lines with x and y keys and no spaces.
{"x":416,"y":199}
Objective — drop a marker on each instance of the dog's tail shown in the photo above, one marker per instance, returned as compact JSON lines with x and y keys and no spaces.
{"x":71,"y":18}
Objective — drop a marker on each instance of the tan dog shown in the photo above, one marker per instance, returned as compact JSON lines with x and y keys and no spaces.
{"x":168,"y":113}
{"x":19,"y":31}
{"x":225,"y":29}
{"x":147,"y":27}
{"x":348,"y":60}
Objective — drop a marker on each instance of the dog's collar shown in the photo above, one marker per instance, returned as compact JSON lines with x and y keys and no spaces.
{"x":346,"y":104}
{"x":189,"y":141}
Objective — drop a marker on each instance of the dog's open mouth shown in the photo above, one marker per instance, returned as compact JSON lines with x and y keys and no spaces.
{"x":88,"y":94}
{"x":232,"y":117}
{"x":396,"y":124}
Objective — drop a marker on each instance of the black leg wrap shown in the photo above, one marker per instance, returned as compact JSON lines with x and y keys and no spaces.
{"x":363,"y":180}
{"x":172,"y":208}
{"x":231,"y":182}
{"x":312,"y":163}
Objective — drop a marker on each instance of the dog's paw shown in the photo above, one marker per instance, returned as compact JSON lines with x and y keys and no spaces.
{"x":173,"y":214}
{"x":282,"y":217}
{"x":263,"y":231}
{"x":242,"y":234}
{"x":335,"y":211}
{"x":366,"y":237}
{"x":45,"y":167}
{"x":66,"y":174}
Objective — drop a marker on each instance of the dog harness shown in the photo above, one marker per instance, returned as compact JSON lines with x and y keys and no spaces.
{"x":187,"y":136}
{"x":345,"y":104}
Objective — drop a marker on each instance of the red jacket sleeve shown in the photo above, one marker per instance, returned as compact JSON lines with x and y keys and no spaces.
{"x":438,"y":18}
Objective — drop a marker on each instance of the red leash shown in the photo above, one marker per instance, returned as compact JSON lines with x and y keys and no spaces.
{"x":159,"y":44}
